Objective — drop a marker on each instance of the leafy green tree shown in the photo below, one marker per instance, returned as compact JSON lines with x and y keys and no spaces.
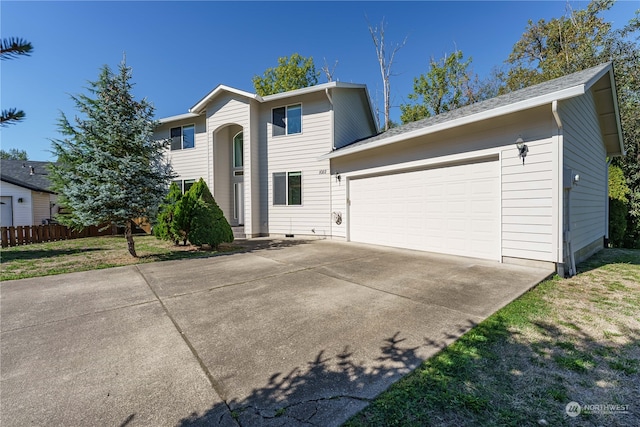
{"x":199,"y":219}
{"x":576,"y":41}
{"x":12,"y":48}
{"x":14,"y":154}
{"x":162,"y":228}
{"x":446,"y":86}
{"x":294,"y":72}
{"x":618,"y":201}
{"x":110,"y":169}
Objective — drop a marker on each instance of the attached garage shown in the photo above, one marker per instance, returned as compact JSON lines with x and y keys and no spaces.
{"x":520,"y":178}
{"x":452,"y":209}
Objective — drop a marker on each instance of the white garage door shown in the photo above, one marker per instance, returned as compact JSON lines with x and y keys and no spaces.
{"x":453,"y":210}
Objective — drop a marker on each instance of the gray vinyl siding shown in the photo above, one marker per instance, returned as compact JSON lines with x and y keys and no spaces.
{"x":352,"y":117}
{"x":300,"y":152}
{"x":585,"y":155}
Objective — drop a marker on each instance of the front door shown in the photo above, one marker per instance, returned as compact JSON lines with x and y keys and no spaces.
{"x":238,"y":178}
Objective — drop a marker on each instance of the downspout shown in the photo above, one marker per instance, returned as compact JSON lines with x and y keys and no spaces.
{"x":567,"y":184}
{"x":333,"y":147}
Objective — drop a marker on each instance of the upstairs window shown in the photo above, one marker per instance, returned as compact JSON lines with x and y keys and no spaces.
{"x":287,"y":120}
{"x":287,"y":188}
{"x":183,"y":137}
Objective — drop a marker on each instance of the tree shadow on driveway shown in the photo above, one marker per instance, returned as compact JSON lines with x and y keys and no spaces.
{"x":327,"y":391}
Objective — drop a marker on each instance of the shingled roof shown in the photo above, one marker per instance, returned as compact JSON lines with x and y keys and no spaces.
{"x":26,"y":173}
{"x":544,"y":93}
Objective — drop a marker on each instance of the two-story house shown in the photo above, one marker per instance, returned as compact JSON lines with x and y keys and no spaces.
{"x":261,"y":156}
{"x":519,"y":178}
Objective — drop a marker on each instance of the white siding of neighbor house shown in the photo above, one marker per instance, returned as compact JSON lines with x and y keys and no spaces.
{"x":300,"y":152}
{"x":352,"y":119}
{"x":585,"y":155}
{"x":528,"y":192}
{"x":22,"y":212}
{"x":192,"y":162}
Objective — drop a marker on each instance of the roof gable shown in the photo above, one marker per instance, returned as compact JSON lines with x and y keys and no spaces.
{"x":201,"y":105}
{"x":26,"y":173}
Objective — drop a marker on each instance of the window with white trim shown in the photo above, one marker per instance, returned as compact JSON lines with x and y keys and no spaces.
{"x":184,"y":185}
{"x":287,"y":188}
{"x":287,"y":120}
{"x":183,"y":137}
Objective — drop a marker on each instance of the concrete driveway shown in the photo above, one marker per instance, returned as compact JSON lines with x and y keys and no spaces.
{"x":290,"y":332}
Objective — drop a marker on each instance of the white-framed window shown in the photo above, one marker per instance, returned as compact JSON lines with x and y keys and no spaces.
{"x":184,"y":184}
{"x":287,"y":188}
{"x":286,"y":120}
{"x":238,"y":151}
{"x":183,"y":137}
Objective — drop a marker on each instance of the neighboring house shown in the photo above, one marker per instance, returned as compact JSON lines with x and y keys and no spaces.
{"x":309,"y":162}
{"x":24,"y":192}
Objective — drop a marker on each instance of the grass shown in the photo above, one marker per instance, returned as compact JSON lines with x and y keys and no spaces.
{"x":566,"y":340}
{"x":91,"y":253}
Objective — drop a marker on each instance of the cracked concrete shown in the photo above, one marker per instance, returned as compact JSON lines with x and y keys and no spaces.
{"x":290,"y":332}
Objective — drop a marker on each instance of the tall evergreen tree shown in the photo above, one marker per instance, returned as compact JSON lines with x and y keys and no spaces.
{"x":110,"y":170}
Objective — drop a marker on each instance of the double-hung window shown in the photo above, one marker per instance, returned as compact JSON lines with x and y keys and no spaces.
{"x":287,"y":120}
{"x":183,"y":137}
{"x":287,"y":188}
{"x":184,"y":185}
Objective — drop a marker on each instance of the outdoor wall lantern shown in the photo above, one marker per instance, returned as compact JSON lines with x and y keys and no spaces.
{"x":338,"y":178}
{"x":20,"y":200}
{"x":522,"y":148}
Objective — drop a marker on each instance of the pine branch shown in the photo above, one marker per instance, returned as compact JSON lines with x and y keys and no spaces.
{"x":13,"y":47}
{"x":11,"y":116}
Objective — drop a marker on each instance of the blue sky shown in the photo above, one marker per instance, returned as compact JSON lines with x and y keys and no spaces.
{"x":179,"y":51}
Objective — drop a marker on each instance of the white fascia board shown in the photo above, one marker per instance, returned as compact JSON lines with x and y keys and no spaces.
{"x":176,"y":118}
{"x":200,"y":105}
{"x":484,"y":115}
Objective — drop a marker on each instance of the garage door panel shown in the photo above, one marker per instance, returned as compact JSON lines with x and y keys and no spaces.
{"x":452,"y":210}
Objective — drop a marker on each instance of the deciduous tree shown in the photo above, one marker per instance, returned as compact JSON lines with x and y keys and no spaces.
{"x":294,"y":72}
{"x":14,"y":154}
{"x":385,"y":61}
{"x":110,"y":170}
{"x":578,"y":40}
{"x":446,"y":86}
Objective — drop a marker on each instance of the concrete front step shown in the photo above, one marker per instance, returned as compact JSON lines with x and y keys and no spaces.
{"x":238,"y":232}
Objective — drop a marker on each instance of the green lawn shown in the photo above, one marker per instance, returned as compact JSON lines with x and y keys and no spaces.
{"x":566,"y":340}
{"x":91,"y":253}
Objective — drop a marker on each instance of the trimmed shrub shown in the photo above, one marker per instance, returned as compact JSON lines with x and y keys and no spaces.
{"x":163,"y":227}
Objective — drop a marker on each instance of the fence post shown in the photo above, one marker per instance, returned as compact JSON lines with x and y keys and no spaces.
{"x":5,"y":236}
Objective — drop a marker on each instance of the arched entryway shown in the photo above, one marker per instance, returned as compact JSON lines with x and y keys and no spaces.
{"x":228,"y":172}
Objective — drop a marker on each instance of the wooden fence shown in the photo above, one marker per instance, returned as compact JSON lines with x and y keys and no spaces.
{"x":24,"y":235}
